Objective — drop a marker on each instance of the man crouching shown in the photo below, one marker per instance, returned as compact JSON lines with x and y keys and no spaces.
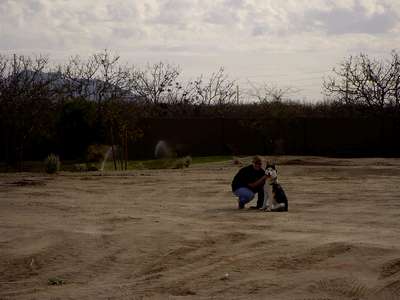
{"x":248,"y":182}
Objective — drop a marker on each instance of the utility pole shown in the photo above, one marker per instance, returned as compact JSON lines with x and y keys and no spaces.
{"x":237,"y":94}
{"x":347,"y":87}
{"x":14,"y":64}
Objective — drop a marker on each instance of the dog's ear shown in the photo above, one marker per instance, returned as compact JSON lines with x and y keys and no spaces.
{"x":273,"y":167}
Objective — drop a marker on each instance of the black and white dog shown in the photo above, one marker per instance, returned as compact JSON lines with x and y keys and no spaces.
{"x":274,"y":196}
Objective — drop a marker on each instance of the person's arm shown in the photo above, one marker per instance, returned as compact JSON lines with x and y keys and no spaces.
{"x":258,"y":182}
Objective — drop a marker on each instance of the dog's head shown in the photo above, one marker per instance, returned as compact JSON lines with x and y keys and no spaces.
{"x":271,"y":172}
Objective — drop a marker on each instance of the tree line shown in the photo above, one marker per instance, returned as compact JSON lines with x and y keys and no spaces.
{"x":102,"y":100}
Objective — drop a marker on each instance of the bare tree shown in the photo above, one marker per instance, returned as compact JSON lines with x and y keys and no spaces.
{"x":156,"y":83}
{"x":394,"y":95}
{"x":121,"y":119}
{"x":368,"y":82}
{"x":113,"y":80}
{"x":267,"y":93}
{"x":114,"y":85}
{"x":217,"y":90}
{"x":101,"y":78}
{"x":27,"y":96}
{"x":98,"y":78}
{"x":78,"y":77}
{"x":181,"y":94}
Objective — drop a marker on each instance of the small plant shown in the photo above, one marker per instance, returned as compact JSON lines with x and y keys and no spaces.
{"x":181,"y":163}
{"x":187,"y":161}
{"x":91,"y":167}
{"x":55,"y":281}
{"x":52,"y":164}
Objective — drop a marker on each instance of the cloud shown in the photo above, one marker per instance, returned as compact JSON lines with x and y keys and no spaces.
{"x":238,"y":33}
{"x":362,"y":17}
{"x":175,"y":13}
{"x":176,"y":24}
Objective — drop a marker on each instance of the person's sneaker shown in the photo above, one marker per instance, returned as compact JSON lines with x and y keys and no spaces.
{"x":240,"y":205}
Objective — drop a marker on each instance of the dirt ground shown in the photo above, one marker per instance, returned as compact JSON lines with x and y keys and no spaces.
{"x":177,"y":234}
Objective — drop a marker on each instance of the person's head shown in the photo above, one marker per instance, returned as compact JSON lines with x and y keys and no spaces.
{"x":257,"y":162}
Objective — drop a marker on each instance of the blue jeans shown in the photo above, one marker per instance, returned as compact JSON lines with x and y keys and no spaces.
{"x":245,"y":195}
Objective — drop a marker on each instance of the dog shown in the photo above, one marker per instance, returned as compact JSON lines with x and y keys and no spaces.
{"x":274,"y":196}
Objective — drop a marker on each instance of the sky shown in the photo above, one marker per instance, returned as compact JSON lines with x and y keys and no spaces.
{"x":291,"y":43}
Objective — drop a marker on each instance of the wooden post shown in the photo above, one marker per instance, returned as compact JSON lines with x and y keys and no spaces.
{"x":126,"y":148}
{"x":112,"y":148}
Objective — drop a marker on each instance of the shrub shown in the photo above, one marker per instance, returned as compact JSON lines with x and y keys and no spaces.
{"x":181,"y":163}
{"x":187,"y":161}
{"x":91,"y":167}
{"x":52,"y":164}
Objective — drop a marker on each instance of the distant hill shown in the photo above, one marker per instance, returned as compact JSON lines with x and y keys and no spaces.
{"x":58,"y":83}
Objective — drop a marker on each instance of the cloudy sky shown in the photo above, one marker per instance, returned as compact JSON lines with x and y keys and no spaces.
{"x":286,"y":43}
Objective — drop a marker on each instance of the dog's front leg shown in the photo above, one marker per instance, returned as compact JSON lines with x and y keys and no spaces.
{"x":267,"y":192}
{"x":272,"y":203}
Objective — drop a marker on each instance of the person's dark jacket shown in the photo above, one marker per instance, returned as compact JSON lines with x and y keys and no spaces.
{"x":245,"y":176}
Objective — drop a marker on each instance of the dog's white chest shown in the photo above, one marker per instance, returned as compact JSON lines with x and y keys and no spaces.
{"x":268,"y":189}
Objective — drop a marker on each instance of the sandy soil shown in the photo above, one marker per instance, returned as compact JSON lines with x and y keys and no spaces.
{"x":176,"y":234}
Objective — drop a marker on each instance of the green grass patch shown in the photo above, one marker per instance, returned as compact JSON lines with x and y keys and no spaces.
{"x":167,"y":163}
{"x":170,"y":163}
{"x":210,"y":159}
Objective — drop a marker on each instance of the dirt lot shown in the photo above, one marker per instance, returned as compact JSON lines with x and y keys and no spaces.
{"x":176,"y":234}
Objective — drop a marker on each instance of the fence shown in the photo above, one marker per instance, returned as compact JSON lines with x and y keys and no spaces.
{"x":221,"y":136}
{"x":304,"y":136}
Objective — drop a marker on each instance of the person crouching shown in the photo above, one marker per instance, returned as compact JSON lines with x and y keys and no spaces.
{"x":248,"y":182}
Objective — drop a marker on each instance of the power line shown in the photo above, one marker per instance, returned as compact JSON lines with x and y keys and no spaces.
{"x":289,"y":74}
{"x":299,"y":79}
